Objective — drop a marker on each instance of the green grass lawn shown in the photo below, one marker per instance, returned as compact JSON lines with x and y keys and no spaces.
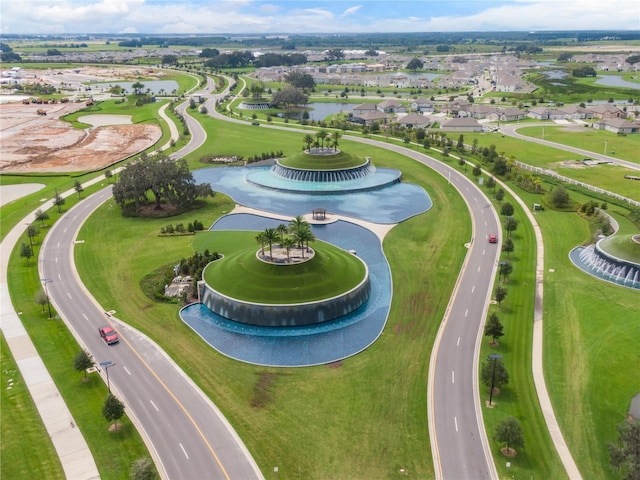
{"x":56,"y":345}
{"x":590,"y":343}
{"x":363,"y":416}
{"x":609,"y":177}
{"x":26,"y":449}
{"x":335,"y":161}
{"x":241,"y":275}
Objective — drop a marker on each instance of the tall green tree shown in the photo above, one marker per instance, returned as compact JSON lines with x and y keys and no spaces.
{"x":78,"y":188}
{"x":509,"y":432}
{"x":41,"y":216}
{"x":59,"y":201}
{"x":26,"y":252}
{"x":625,"y":451}
{"x":510,"y":225}
{"x":415,"y":64}
{"x":493,"y":328}
{"x":508,"y":247}
{"x":487,"y":376}
{"x":504,"y":270}
{"x":500,"y":294}
{"x":82,"y":361}
{"x":270,"y":237}
{"x":559,"y":197}
{"x":506,"y":210}
{"x":113,"y":410}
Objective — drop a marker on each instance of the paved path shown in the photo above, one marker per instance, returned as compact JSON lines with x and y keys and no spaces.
{"x":75,"y":457}
{"x":537,"y":366}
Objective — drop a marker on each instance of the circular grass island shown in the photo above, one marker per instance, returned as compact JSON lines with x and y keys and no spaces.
{"x":246,"y":289}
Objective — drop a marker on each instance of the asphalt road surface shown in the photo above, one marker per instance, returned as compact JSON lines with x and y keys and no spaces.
{"x":459,"y":442}
{"x":185,"y":433}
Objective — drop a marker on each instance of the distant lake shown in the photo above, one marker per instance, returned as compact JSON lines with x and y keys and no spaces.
{"x":155,"y":86}
{"x":555,"y":74}
{"x":616,"y":81}
{"x":320,"y":111}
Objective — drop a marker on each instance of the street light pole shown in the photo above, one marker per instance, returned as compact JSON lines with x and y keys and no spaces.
{"x":106,"y":366}
{"x":495,"y":357}
{"x":46,"y":292}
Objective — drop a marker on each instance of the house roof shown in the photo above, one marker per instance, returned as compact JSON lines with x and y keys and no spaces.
{"x":414,"y":119}
{"x":391,"y":103}
{"x":370,"y":116}
{"x":618,"y":123}
{"x":366,"y":107}
{"x":462,"y":122}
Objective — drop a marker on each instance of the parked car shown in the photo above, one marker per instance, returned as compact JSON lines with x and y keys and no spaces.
{"x":493,"y":238}
{"x":109,"y":335}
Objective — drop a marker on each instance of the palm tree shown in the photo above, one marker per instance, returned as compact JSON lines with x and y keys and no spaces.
{"x":261,"y":240}
{"x":288,"y":243}
{"x":270,"y":236}
{"x":322,"y":134}
{"x":335,"y":136}
{"x":308,"y":140}
{"x":281,"y":229}
{"x":297,"y":225}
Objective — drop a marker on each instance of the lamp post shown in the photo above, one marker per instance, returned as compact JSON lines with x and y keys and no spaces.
{"x":106,"y":364}
{"x":46,"y":292}
{"x":29,"y":235}
{"x":495,"y":357}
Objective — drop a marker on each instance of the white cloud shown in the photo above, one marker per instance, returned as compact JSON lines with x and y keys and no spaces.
{"x":351,"y":11}
{"x":254,"y":16}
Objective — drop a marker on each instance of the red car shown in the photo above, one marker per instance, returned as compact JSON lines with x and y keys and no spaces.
{"x":493,"y":238}
{"x":109,"y":335}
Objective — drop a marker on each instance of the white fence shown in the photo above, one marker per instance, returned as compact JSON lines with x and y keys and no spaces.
{"x":553,"y":174}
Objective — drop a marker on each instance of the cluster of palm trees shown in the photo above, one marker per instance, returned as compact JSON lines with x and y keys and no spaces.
{"x":296,"y":234}
{"x":331,"y":138}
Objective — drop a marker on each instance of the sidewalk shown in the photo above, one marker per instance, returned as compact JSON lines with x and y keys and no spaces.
{"x":76,"y":458}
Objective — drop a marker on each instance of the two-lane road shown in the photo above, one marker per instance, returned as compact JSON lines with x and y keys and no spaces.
{"x":185,"y":433}
{"x":459,"y":443}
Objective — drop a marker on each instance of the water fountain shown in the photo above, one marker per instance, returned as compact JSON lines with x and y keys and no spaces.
{"x":615,"y":259}
{"x":355,"y":174}
{"x":335,"y":328}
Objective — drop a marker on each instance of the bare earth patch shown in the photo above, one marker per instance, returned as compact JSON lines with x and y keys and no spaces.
{"x":43,"y":143}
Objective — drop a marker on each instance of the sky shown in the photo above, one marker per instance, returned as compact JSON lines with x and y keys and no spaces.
{"x":303,"y":16}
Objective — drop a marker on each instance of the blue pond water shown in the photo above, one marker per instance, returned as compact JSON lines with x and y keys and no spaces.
{"x":392,"y":204}
{"x":598,"y":264}
{"x":330,"y":341}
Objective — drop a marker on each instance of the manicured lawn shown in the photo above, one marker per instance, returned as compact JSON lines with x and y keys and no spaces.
{"x":323,"y":162}
{"x":587,"y":138}
{"x":609,"y":177}
{"x":364,"y":416}
{"x":240,"y":274}
{"x":57,"y":347}
{"x":26,"y":449}
{"x":590,"y":350}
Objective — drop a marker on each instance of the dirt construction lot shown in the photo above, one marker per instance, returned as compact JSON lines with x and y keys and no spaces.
{"x":30,"y":142}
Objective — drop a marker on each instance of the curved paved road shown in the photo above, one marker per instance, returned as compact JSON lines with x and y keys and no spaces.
{"x":185,"y":433}
{"x":459,"y":442}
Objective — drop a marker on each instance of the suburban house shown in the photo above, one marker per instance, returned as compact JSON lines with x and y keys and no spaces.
{"x":368,"y":118}
{"x":540,"y":113}
{"x":617,"y":125}
{"x":575,"y":112}
{"x":422,"y":105}
{"x":606,"y":111}
{"x":391,"y":106}
{"x":462,"y":124}
{"x":477,"y":111}
{"x":510,"y":114}
{"x":364,"y":108}
{"x":414,"y":120}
